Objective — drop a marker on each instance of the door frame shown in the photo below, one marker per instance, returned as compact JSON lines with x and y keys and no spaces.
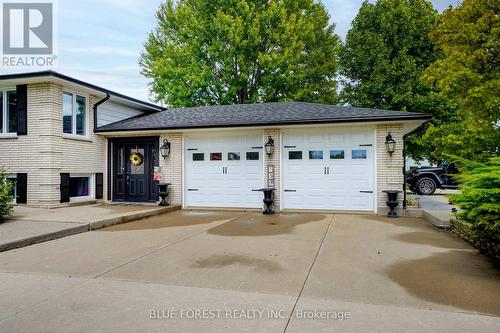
{"x":151,"y":187}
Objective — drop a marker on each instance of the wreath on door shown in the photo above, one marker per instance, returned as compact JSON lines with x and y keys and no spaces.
{"x":136,"y":158}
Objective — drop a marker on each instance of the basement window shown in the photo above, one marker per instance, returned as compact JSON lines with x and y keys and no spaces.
{"x":79,"y":187}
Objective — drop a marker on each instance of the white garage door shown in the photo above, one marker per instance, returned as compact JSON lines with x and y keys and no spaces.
{"x":224,"y":171}
{"x":329,"y":169}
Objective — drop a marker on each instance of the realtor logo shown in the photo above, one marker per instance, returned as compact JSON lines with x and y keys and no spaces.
{"x":27,"y":28}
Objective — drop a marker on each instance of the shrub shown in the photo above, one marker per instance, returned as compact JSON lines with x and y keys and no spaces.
{"x":6,"y":200}
{"x":480,"y":201}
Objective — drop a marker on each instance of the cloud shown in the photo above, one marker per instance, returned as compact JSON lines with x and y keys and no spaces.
{"x":102,"y":51}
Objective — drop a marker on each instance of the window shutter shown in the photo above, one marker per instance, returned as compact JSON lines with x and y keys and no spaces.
{"x":22,"y":188}
{"x":22,"y":109}
{"x":64,"y":187}
{"x":98,"y":185}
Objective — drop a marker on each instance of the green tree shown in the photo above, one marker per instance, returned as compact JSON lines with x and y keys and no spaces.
{"x":384,"y":55}
{"x":241,"y":51}
{"x":6,"y":199}
{"x":468,"y":74}
{"x":480,"y":201}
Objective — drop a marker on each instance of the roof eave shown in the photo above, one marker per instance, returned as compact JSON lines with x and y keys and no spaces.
{"x":423,"y":117}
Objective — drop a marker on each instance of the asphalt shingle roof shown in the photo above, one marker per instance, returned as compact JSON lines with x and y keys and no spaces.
{"x":261,"y":114}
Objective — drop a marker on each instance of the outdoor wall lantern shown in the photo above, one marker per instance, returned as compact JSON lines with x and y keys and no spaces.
{"x":165,"y":149}
{"x":269,"y":146}
{"x":390,"y":144}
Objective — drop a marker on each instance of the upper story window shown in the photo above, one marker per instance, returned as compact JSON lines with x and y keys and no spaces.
{"x":74,"y":114}
{"x":8,"y":111}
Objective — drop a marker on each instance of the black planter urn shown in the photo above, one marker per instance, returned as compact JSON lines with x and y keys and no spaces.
{"x":392,"y":202}
{"x":268,"y":200}
{"x":163,"y":193}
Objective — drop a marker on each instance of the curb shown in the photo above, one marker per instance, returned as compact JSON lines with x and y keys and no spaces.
{"x":43,"y":238}
{"x":427,"y":215}
{"x":85,"y":227}
{"x":130,"y":217}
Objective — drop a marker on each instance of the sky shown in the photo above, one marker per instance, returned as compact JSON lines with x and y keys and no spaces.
{"x":99,"y":41}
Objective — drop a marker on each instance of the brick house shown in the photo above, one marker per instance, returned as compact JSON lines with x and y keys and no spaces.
{"x":63,"y":140}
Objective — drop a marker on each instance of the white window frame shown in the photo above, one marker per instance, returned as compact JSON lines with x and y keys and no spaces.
{"x":91,"y":187}
{"x":73,"y":134}
{"x":5,"y":113}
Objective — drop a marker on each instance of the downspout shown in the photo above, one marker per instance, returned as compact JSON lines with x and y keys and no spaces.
{"x":404,"y":160}
{"x":95,"y":108}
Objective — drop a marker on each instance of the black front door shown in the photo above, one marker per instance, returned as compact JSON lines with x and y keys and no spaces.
{"x":133,"y":167}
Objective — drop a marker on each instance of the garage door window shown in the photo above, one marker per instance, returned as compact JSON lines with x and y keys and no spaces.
{"x":252,"y":156}
{"x":358,"y":154}
{"x":215,"y":156}
{"x":294,"y":155}
{"x":198,"y":157}
{"x":315,"y":154}
{"x":336,"y":154}
{"x":233,"y":156}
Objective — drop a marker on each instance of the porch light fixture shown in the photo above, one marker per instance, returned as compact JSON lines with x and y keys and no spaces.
{"x":165,"y":149}
{"x":269,"y":146}
{"x":390,"y":144}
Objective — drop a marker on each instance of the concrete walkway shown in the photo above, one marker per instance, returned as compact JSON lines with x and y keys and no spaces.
{"x":244,"y":272}
{"x":29,"y":225}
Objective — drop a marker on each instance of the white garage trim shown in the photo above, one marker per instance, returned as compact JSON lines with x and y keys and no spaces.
{"x":313,"y":179}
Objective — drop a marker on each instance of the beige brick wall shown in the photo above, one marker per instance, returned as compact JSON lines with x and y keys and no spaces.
{"x":43,"y":154}
{"x":389,"y":167}
{"x":171,"y":167}
{"x":275,"y":160}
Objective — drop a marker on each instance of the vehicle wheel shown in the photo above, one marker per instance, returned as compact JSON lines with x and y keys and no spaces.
{"x":426,"y":186}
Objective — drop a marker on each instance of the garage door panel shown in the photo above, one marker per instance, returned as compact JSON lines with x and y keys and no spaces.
{"x":338,"y":186}
{"x":227,"y":181}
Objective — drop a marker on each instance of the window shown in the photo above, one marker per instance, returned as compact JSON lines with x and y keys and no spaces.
{"x":79,"y":187}
{"x":358,"y":154}
{"x":215,"y":156}
{"x":315,"y":154}
{"x":8,"y":111}
{"x":252,"y":155}
{"x":198,"y":156}
{"x":233,"y":156}
{"x":74,"y":114}
{"x":294,"y":155}
{"x":336,"y":154}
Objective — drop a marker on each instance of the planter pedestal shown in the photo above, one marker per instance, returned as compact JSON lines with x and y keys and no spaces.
{"x":392,"y":202}
{"x":268,"y":200}
{"x":163,"y":193}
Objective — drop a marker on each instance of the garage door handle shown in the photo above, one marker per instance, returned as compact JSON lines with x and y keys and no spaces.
{"x":365,"y":191}
{"x":290,"y":190}
{"x":192,"y":189}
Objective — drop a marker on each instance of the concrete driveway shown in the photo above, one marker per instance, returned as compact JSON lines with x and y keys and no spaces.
{"x":239,"y":271}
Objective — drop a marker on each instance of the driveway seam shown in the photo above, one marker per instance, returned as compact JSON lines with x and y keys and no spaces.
{"x":168,"y":245}
{"x":308,"y":273}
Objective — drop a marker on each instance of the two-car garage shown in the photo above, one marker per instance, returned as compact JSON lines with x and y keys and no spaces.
{"x":321,"y":169}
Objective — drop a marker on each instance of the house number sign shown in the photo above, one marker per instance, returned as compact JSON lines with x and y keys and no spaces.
{"x":270,"y":176}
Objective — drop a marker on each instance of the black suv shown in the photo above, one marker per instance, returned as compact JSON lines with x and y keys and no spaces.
{"x":426,"y":180}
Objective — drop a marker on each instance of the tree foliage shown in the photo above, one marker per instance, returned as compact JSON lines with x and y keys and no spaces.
{"x":6,"y":200}
{"x":241,"y":51}
{"x":385,"y":53}
{"x":468,"y":74}
{"x":480,"y":199}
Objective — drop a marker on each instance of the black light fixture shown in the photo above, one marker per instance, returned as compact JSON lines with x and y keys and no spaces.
{"x":390,"y":144}
{"x":165,"y":149}
{"x":269,"y":146}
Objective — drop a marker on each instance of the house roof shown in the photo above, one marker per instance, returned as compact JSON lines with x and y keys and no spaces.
{"x":40,"y":76}
{"x":261,"y":114}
